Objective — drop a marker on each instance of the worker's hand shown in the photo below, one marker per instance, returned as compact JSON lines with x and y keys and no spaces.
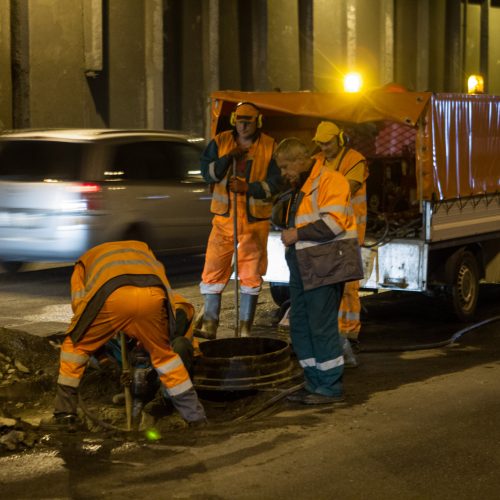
{"x":237,"y":185}
{"x":289,"y":236}
{"x":237,"y":153}
{"x":126,"y":379}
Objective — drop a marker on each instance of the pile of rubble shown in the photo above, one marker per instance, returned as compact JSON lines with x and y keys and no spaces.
{"x":28,"y":367}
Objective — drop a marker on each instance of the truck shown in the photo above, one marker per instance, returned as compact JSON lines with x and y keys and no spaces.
{"x":433,"y":190}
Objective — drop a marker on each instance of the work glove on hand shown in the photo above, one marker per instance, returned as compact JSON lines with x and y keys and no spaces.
{"x":237,"y":185}
{"x":237,"y":153}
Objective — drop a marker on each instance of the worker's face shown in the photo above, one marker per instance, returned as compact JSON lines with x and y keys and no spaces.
{"x":291,"y":168}
{"x":246,"y":128}
{"x":331,"y":148}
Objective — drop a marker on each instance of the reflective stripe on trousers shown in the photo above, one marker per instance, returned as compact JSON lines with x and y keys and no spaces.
{"x":314,"y":332}
{"x":350,"y":310}
{"x":140,"y":313}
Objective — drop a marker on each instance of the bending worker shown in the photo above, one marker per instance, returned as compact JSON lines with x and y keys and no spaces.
{"x":323,"y":253}
{"x":338,"y":156}
{"x":249,"y":152}
{"x":120,"y":286}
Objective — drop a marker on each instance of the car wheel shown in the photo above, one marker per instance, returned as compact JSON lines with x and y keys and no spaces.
{"x":280,"y":293}
{"x":12,"y":266}
{"x":464,"y":290}
{"x":138,"y":232}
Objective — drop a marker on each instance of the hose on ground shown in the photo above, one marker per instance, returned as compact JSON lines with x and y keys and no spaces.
{"x":433,"y":345}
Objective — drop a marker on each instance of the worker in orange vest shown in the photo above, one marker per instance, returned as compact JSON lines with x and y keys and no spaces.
{"x":121,"y":287}
{"x":338,"y":156}
{"x":238,"y":161}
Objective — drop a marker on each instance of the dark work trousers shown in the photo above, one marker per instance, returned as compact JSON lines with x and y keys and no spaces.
{"x":314,"y":332}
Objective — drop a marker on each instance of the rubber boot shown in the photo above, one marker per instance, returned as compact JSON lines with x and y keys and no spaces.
{"x":248,"y":303}
{"x":211,"y":316}
{"x":350,"y":360}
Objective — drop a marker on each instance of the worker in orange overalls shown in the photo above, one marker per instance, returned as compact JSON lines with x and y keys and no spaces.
{"x":121,"y":287}
{"x":248,"y":153}
{"x":337,"y":155}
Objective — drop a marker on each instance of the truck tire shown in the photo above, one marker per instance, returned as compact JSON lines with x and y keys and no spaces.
{"x":465,"y":286}
{"x":12,"y":266}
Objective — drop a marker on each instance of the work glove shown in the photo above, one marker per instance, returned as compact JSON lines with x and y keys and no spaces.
{"x":237,"y":153}
{"x":237,"y":185}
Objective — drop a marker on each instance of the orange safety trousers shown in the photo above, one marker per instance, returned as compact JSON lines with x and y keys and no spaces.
{"x":140,"y":313}
{"x":252,"y":251}
{"x":350,"y":305}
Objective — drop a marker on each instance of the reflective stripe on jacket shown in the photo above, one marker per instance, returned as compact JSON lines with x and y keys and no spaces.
{"x":325,"y":196}
{"x":345,"y":161}
{"x":260,"y":156}
{"x":103,"y":269}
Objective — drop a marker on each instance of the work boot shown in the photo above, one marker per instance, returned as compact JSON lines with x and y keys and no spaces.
{"x":321,"y":399}
{"x":350,"y":360}
{"x":210,"y":320}
{"x":65,"y":422}
{"x":248,"y":304}
{"x":298,"y":396}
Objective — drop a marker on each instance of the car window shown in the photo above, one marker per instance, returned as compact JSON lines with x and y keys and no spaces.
{"x":156,"y":160}
{"x":40,"y":160}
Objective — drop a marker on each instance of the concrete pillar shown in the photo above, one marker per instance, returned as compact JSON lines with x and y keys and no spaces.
{"x":452,"y":47}
{"x":306,"y":43}
{"x":386,"y":74}
{"x":423,"y":36}
{"x":5,"y":65}
{"x":484,"y":43}
{"x":153,"y":20}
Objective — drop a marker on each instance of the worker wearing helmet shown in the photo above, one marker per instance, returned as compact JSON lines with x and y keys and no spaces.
{"x":121,"y":287}
{"x":338,"y":156}
{"x":248,"y":152}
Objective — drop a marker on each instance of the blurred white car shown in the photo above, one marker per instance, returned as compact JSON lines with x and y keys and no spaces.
{"x":64,"y":191}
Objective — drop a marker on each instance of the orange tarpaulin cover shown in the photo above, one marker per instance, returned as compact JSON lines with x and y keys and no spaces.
{"x":457,"y":147}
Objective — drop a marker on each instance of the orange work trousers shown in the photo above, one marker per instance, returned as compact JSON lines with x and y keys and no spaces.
{"x":252,"y":251}
{"x":349,"y":311}
{"x":139,"y":313}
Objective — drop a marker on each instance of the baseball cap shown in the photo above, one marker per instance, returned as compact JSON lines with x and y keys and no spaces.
{"x":326,"y":131}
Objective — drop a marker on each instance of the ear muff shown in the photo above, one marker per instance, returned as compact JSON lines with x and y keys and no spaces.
{"x":232,"y":118}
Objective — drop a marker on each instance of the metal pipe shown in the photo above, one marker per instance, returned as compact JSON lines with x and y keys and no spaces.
{"x":126,"y":376}
{"x":235,"y":244}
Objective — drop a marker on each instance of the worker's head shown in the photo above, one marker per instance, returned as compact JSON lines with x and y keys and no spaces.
{"x":330,"y":138}
{"x":293,"y":159}
{"x":246,"y":118}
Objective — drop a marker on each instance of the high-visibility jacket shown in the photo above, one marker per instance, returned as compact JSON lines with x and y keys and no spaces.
{"x":344,"y":162}
{"x":107,"y":267}
{"x":325,"y":196}
{"x":260,"y":156}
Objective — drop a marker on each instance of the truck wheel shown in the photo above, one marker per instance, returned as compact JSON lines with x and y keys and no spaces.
{"x":12,"y":266}
{"x":280,"y":293}
{"x":465,"y":286}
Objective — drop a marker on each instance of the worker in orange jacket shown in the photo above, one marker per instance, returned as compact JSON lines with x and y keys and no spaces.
{"x":338,"y":156}
{"x":248,"y":153}
{"x":322,"y":252}
{"x":121,"y":287}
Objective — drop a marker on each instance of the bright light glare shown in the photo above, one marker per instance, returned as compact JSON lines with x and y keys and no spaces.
{"x":475,"y":84}
{"x":152,"y":434}
{"x":352,"y":82}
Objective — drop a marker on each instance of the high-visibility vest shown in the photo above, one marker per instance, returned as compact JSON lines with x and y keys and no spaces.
{"x":107,"y":267}
{"x":259,"y":156}
{"x":346,"y":160}
{"x":325,"y":196}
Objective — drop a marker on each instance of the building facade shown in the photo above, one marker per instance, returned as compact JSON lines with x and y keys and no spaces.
{"x":153,"y":63}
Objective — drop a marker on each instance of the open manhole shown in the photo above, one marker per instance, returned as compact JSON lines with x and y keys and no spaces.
{"x":243,"y":364}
